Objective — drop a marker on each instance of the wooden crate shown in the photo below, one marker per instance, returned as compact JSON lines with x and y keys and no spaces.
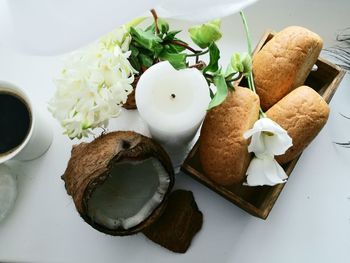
{"x":259,"y":201}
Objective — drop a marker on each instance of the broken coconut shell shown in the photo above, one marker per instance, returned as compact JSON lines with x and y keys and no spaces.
{"x":119,"y":182}
{"x":178,"y":224}
{"x":130,"y":103}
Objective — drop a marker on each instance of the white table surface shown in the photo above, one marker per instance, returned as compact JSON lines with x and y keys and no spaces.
{"x":309,"y":223}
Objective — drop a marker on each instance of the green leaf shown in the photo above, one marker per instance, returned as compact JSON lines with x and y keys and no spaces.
{"x":214,"y":54}
{"x":172,"y":48}
{"x":241,"y":63}
{"x":171,"y":35}
{"x":236,"y":62}
{"x":147,"y":40}
{"x":133,"y":56}
{"x":205,"y":34}
{"x":145,"y":60}
{"x":134,"y":61}
{"x":247,"y":64}
{"x":215,"y":22}
{"x":221,"y":92}
{"x":163,"y":25}
{"x":229,"y":70}
{"x":151,"y":28}
{"x":135,"y":22}
{"x":134,"y":50}
{"x":211,"y":93}
{"x":178,"y":61}
{"x":146,"y":52}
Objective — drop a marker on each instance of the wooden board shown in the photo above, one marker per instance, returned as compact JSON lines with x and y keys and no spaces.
{"x":259,"y":201}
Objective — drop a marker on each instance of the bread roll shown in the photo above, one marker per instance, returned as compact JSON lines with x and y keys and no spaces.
{"x":223,"y":150}
{"x":302,"y":113}
{"x":284,"y":63}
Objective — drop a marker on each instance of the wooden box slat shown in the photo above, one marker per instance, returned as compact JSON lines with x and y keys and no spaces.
{"x":259,"y":201}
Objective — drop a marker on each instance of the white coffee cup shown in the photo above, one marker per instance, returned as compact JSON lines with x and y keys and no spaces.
{"x":39,"y":136}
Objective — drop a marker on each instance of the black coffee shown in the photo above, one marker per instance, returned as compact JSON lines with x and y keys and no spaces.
{"x":15,"y":121}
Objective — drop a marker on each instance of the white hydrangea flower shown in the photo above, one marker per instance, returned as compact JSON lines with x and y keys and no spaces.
{"x":118,"y":37}
{"x":267,"y":140}
{"x":93,"y":85}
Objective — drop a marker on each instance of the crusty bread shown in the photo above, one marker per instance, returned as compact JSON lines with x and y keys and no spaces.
{"x":302,"y":113}
{"x":223,"y":150}
{"x":284,"y":63}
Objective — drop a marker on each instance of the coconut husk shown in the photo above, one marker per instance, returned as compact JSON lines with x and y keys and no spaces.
{"x":130,"y":104}
{"x":90,"y":164}
{"x":179,"y":223}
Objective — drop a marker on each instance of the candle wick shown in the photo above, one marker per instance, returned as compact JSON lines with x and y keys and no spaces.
{"x":173,"y":96}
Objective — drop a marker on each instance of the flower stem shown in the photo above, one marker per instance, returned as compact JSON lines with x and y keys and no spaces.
{"x":155,"y":17}
{"x":200,"y":65}
{"x":251,"y":82}
{"x":182,"y":44}
{"x":247,"y":33}
{"x":250,"y":50}
{"x":198,"y":53}
{"x":209,"y":77}
{"x":230,"y":78}
{"x":249,"y":43}
{"x":262,"y":114}
{"x":250,"y":77}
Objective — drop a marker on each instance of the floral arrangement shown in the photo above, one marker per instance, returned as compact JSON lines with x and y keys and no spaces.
{"x":96,"y":81}
{"x":93,"y":84}
{"x":267,"y":140}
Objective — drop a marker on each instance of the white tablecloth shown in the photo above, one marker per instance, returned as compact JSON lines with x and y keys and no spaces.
{"x":309,"y":223}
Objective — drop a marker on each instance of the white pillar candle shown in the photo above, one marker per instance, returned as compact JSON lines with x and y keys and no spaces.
{"x":172,"y":102}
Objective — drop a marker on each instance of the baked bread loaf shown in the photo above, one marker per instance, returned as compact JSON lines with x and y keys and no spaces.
{"x":284,"y":63}
{"x":223,"y":150}
{"x":302,"y":113}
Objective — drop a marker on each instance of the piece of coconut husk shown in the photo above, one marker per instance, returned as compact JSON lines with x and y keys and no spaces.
{"x":178,"y":224}
{"x":130,"y":103}
{"x":90,"y":164}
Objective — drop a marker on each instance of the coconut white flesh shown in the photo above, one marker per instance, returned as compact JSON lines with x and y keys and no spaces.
{"x":8,"y":191}
{"x":129,"y":195}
